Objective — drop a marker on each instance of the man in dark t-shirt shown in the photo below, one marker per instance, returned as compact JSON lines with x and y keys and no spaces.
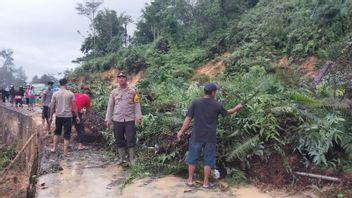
{"x":205,"y":112}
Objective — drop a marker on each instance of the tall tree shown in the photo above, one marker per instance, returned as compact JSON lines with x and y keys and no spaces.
{"x":35,"y":79}
{"x":89,"y":9}
{"x":20,"y":76}
{"x":125,"y":20}
{"x":8,"y":64}
{"x":7,"y":69}
{"x":109,"y":33}
{"x":44,"y":78}
{"x":9,"y":73}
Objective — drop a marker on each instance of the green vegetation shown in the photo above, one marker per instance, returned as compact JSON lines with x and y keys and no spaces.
{"x":6,"y":155}
{"x":286,"y":117}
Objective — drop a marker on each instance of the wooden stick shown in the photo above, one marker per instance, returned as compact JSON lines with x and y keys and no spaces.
{"x":250,"y":98}
{"x":318,"y":176}
{"x":17,"y":156}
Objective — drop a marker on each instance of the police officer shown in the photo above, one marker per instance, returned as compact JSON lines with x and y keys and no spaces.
{"x":123,"y":112}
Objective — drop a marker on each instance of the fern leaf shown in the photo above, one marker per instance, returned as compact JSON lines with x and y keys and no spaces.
{"x":241,"y":150}
{"x":306,"y":99}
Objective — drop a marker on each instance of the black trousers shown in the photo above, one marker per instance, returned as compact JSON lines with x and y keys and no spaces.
{"x":125,"y":134}
{"x":46,"y":113}
{"x":66,"y":123}
{"x":18,"y":102}
{"x":79,"y":127}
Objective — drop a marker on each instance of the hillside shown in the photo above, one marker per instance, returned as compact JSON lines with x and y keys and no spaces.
{"x":274,"y":49}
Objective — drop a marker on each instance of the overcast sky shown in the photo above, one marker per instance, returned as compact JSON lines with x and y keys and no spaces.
{"x":43,"y":33}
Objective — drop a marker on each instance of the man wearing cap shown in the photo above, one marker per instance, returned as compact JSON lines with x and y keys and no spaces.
{"x":46,"y":99}
{"x":205,"y":112}
{"x":124,"y":111}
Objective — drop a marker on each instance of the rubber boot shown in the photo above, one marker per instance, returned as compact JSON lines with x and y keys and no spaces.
{"x":131,"y":152}
{"x":122,"y":155}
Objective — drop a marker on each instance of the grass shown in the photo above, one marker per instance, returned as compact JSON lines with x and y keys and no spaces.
{"x":6,"y":155}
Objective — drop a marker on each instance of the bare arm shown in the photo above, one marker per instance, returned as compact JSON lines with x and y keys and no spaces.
{"x":109,"y":111}
{"x":184,"y":127}
{"x":52,"y":107}
{"x":74,"y":107}
{"x":235,"y":109}
{"x":138,"y":112}
{"x":43,"y":97}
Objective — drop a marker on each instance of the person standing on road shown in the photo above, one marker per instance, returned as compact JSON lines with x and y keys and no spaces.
{"x":18,"y":98}
{"x":83,"y":105}
{"x":7,"y":93}
{"x":26,"y":94}
{"x":46,"y":99}
{"x":205,"y":112}
{"x":32,"y":99}
{"x":12,"y":95}
{"x":3,"y":97}
{"x":62,"y":104}
{"x":22,"y":95}
{"x":124,"y":111}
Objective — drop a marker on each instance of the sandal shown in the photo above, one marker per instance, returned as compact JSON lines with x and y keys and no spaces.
{"x":191,"y":185}
{"x":209,"y":186}
{"x":83,"y":148}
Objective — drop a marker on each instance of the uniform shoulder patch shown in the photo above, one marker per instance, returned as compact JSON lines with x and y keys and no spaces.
{"x":136,"y":98}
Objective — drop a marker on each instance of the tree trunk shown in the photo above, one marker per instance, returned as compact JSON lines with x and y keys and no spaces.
{"x":321,"y":73}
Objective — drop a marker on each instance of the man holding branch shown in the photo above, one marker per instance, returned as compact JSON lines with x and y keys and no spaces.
{"x":205,"y":112}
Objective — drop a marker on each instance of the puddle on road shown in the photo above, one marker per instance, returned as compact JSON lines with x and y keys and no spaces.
{"x":78,"y":181}
{"x":91,"y":174}
{"x":82,"y":182}
{"x":171,"y":186}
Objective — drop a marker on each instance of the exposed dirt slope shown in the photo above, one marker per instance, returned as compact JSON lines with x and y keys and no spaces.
{"x":211,"y":69}
{"x":307,"y":66}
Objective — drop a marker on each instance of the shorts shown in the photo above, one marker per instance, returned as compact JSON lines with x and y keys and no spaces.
{"x":18,"y":101}
{"x":46,"y":112}
{"x":31,"y":100}
{"x":209,"y":153}
{"x":67,"y":124}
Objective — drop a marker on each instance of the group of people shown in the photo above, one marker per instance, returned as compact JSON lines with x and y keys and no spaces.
{"x":124,"y":114}
{"x":69,"y":109}
{"x":18,"y":96}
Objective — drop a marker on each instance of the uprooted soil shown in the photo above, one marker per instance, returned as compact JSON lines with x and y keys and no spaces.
{"x":275,"y":173}
{"x":211,"y":69}
{"x":307,"y":66}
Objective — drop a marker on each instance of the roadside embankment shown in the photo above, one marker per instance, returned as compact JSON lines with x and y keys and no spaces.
{"x":20,"y":132}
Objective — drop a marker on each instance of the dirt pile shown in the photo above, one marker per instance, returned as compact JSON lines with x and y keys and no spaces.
{"x":278,"y":172}
{"x":306,"y":67}
{"x":210,"y":70}
{"x":136,"y":78}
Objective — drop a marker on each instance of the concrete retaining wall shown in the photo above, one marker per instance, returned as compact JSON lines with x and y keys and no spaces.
{"x":15,"y":129}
